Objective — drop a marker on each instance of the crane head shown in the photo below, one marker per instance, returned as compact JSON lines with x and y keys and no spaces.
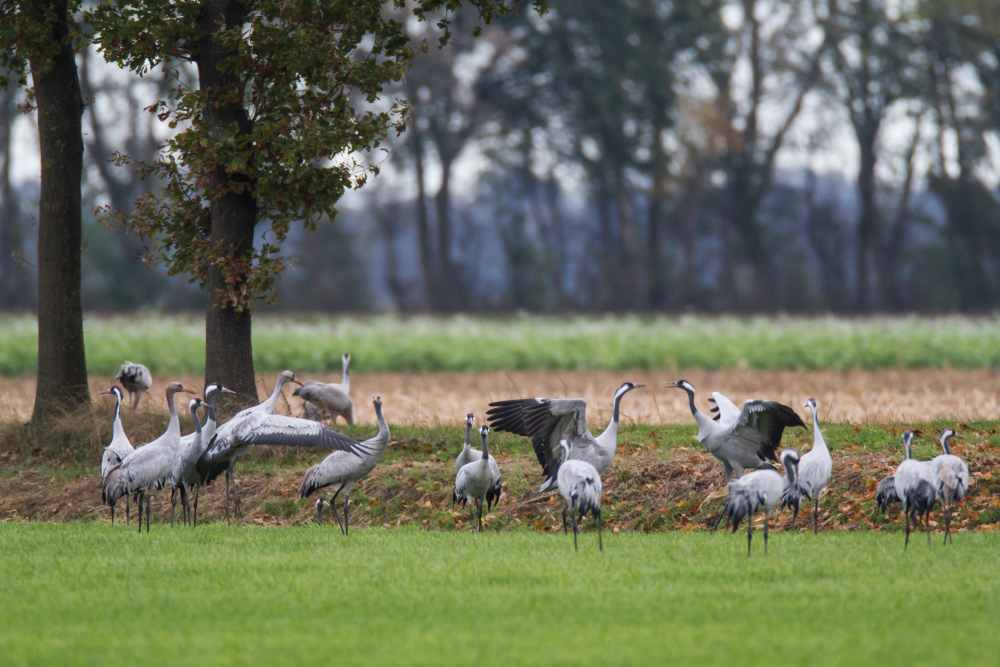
{"x":790,"y":456}
{"x":194,"y":404}
{"x":483,"y":430}
{"x":287,"y":376}
{"x":346,"y":358}
{"x":116,"y":392}
{"x":682,"y":384}
{"x":470,"y":419}
{"x":216,"y":387}
{"x":377,"y":401}
{"x":175,"y":387}
{"x":811,"y":404}
{"x":627,"y":387}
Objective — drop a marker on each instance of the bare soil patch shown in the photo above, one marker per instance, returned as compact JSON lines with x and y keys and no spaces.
{"x":431,"y":399}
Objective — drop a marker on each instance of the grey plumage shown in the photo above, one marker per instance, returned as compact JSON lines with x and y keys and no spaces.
{"x":149,"y":466}
{"x":953,"y":478}
{"x":580,"y":486}
{"x":747,"y":439}
{"x":328,"y":399}
{"x":136,"y":379}
{"x":257,"y":425}
{"x":759,"y":490}
{"x":885,"y":494}
{"x":470,"y":454}
{"x":813,"y":472}
{"x":117,"y":451}
{"x":342,"y":469}
{"x":475,"y":480}
{"x":915,"y":484}
{"x":547,"y":421}
{"x":184,"y":471}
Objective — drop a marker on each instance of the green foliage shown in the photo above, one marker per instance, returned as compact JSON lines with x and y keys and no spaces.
{"x":289,"y":93}
{"x":35,"y":31}
{"x":241,"y":595}
{"x":175,"y":344}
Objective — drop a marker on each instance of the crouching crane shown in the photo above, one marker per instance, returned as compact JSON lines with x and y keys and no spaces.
{"x":757,"y":491}
{"x":136,"y":379}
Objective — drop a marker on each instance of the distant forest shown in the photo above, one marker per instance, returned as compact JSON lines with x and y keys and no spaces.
{"x":619,"y":155}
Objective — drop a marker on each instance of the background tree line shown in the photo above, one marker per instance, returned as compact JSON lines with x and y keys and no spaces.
{"x":626,"y":155}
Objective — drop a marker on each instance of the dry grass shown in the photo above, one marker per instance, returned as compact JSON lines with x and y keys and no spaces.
{"x":433,"y":399}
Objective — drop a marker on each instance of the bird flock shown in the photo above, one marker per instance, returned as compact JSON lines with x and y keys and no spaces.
{"x":744,"y":439}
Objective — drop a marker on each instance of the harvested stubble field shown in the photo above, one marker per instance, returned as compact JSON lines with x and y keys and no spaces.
{"x":434,"y":399}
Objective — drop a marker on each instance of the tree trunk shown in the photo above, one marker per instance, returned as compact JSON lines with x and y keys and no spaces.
{"x":423,"y":226}
{"x":867,"y":215}
{"x":62,"y":364}
{"x":14,"y":288}
{"x":442,"y":206}
{"x":228,"y":350}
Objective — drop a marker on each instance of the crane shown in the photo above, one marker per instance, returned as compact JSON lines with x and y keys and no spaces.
{"x":813,"y":473}
{"x":184,"y":462}
{"x":136,"y":379}
{"x":548,"y":420}
{"x":230,"y":440}
{"x":470,"y":454}
{"x":117,"y":451}
{"x":953,"y":478}
{"x":745,"y":439}
{"x":342,"y":469}
{"x":148,"y":466}
{"x":475,"y":480}
{"x":758,"y":490}
{"x":581,"y":488}
{"x":915,"y":485}
{"x":333,"y":399}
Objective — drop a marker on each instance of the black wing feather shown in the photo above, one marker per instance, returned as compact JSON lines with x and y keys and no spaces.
{"x":529,"y":417}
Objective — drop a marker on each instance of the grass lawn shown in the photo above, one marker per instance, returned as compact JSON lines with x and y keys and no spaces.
{"x":92,"y":594}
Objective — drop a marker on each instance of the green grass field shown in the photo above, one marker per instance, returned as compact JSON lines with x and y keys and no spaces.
{"x":385,"y":343}
{"x":90,"y":594}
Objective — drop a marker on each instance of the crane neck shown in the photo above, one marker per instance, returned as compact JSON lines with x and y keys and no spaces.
{"x":272,"y":400}
{"x":944,"y":443}
{"x":197,"y":422}
{"x":174,"y":425}
{"x":486,"y":449}
{"x":119,"y":431}
{"x":907,"y":444}
{"x":383,"y":427}
{"x":468,"y":437}
{"x":705,"y":423}
{"x":345,"y":380}
{"x":818,"y":440}
{"x":791,"y":469}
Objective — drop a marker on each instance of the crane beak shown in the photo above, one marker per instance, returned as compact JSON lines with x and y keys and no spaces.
{"x":223,"y":390}
{"x":638,"y":386}
{"x":107,"y":392}
{"x":296,"y":382}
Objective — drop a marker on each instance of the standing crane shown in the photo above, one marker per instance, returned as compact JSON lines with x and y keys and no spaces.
{"x":915,"y":485}
{"x":342,"y":469}
{"x":813,"y":473}
{"x":581,"y":488}
{"x":548,"y":420}
{"x":953,"y":478}
{"x":745,"y":439}
{"x":136,"y":379}
{"x":149,"y":466}
{"x":184,"y":462}
{"x":232,"y":439}
{"x":755,"y":491}
{"x":333,"y":399}
{"x":116,"y":452}
{"x":475,"y":480}
{"x":470,"y":454}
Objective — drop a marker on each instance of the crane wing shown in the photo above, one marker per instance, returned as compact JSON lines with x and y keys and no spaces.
{"x":284,"y":431}
{"x":761,"y":424}
{"x":729,"y":412}
{"x":545,"y":421}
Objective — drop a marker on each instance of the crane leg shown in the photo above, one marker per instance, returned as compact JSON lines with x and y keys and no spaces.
{"x":816,"y":516}
{"x":185,"y":505}
{"x":472,"y":515}
{"x":749,"y":533}
{"x":907,"y":542}
{"x":565,"y":531}
{"x":947,"y":523}
{"x":333,"y":508}
{"x":600,"y":544}
{"x":197,"y":491}
{"x":479,"y":510}
{"x":149,"y":507}
{"x":927,"y":523}
{"x":140,"y":512}
{"x":127,"y":509}
{"x":347,"y":503}
{"x":573,"y":517}
{"x":229,"y":472}
{"x":112,"y":515}
{"x":766,"y":524}
{"x":795,"y":513}
{"x":173,"y":504}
